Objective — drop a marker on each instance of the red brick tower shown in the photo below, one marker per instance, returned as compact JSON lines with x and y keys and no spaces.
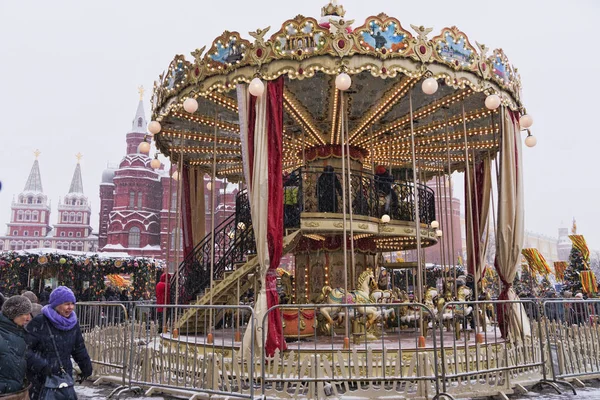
{"x":134,"y":201}
{"x":29,"y":223}
{"x":73,"y":230}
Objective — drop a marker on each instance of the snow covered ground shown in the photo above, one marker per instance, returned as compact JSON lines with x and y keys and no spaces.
{"x":587,"y":393}
{"x":90,"y":392}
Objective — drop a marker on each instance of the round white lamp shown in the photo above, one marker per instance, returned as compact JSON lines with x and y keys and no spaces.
{"x":526,"y":121}
{"x":492,"y":101}
{"x":154,"y":127}
{"x":530,"y":140}
{"x":438,"y":233}
{"x":175,"y":175}
{"x":343,"y":81}
{"x":385,"y":218}
{"x":155,"y":163}
{"x":144,"y":147}
{"x":241,"y":226}
{"x":190,"y":105}
{"x":429,"y":86}
{"x":256,"y":87}
{"x":435,"y":224}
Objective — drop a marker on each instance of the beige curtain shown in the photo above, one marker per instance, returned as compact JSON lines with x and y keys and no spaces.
{"x":259,"y":201}
{"x":509,"y":236}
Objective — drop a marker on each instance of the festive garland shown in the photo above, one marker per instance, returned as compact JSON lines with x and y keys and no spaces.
{"x":536,"y":261}
{"x":71,"y":270}
{"x":559,"y":270}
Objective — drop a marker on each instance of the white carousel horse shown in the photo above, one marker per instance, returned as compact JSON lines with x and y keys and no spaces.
{"x":335,"y":298}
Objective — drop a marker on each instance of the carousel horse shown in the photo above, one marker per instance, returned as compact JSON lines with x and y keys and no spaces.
{"x":462,"y":312}
{"x":430,"y":301}
{"x":446,"y":312}
{"x":286,"y":287}
{"x":335,"y":298}
{"x":407,"y":313}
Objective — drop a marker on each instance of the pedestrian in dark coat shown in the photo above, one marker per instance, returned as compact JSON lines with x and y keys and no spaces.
{"x":328,"y":188}
{"x":59,"y":320}
{"x":16,"y":313}
{"x":36,"y":308}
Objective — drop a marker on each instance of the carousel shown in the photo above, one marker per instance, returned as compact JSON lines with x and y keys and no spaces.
{"x":335,"y":130}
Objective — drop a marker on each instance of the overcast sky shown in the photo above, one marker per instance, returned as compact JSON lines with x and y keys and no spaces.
{"x":70,"y":72}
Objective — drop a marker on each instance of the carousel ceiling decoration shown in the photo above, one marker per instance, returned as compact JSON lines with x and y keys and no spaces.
{"x":454,"y":86}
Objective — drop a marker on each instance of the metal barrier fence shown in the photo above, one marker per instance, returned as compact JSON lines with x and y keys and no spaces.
{"x":104,"y":328}
{"x":573,"y":338}
{"x":195,"y":358}
{"x":397,"y":363}
{"x":474,"y":354}
{"x":464,"y":351}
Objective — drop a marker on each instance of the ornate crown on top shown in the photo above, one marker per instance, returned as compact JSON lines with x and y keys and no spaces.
{"x":333,"y":9}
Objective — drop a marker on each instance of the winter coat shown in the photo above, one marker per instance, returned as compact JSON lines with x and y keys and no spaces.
{"x":69,"y":343}
{"x":13,"y":364}
{"x":162,"y":292}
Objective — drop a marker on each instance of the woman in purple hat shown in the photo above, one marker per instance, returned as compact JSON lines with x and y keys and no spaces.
{"x":53,"y":337}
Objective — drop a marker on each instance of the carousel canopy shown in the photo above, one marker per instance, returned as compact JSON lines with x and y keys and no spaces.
{"x":389,"y":67}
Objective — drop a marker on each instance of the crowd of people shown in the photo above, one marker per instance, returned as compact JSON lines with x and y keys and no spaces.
{"x":37,"y":342}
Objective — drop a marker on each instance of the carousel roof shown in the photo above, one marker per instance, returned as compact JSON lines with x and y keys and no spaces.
{"x":387,"y":64}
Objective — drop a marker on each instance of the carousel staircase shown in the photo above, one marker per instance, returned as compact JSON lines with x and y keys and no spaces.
{"x":226,"y":291}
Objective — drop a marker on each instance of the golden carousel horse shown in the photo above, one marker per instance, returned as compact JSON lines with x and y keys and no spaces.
{"x":335,"y":298}
{"x":406,"y":313}
{"x":285,"y":282}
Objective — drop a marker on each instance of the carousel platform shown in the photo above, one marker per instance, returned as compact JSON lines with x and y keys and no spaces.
{"x":392,"y":341}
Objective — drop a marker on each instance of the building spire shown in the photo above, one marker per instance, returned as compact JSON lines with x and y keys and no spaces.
{"x":139,"y":122}
{"x":34,"y":181}
{"x":77,"y":182}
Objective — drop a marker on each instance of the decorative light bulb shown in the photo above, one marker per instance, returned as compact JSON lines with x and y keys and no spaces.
{"x":256,"y":87}
{"x":190,"y":105}
{"x":435,"y":224}
{"x":343,"y":81}
{"x":144,"y":147}
{"x":385,"y":218}
{"x":175,"y":175}
{"x":492,"y":101}
{"x":155,"y":163}
{"x":530,"y":140}
{"x":209,"y":185}
{"x":526,"y":121}
{"x":438,"y":233}
{"x":154,"y":127}
{"x":429,"y":86}
{"x":241,"y":226}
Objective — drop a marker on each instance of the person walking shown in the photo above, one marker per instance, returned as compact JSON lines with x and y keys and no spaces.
{"x":53,"y":337}
{"x":16,"y":313}
{"x":36,"y":308}
{"x":162,"y":298}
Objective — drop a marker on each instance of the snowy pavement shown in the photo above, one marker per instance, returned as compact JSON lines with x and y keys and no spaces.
{"x":101,"y":392}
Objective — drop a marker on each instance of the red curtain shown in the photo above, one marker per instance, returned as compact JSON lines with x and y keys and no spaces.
{"x":477,"y":175}
{"x":275,"y":338}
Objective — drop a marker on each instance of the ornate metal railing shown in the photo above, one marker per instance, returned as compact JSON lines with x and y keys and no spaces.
{"x":372,"y":195}
{"x":305,"y":190}
{"x":234,"y":240}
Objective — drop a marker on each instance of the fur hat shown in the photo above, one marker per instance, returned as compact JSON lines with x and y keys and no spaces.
{"x":15,"y":306}
{"x":31,"y":296}
{"x":61,"y":294}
